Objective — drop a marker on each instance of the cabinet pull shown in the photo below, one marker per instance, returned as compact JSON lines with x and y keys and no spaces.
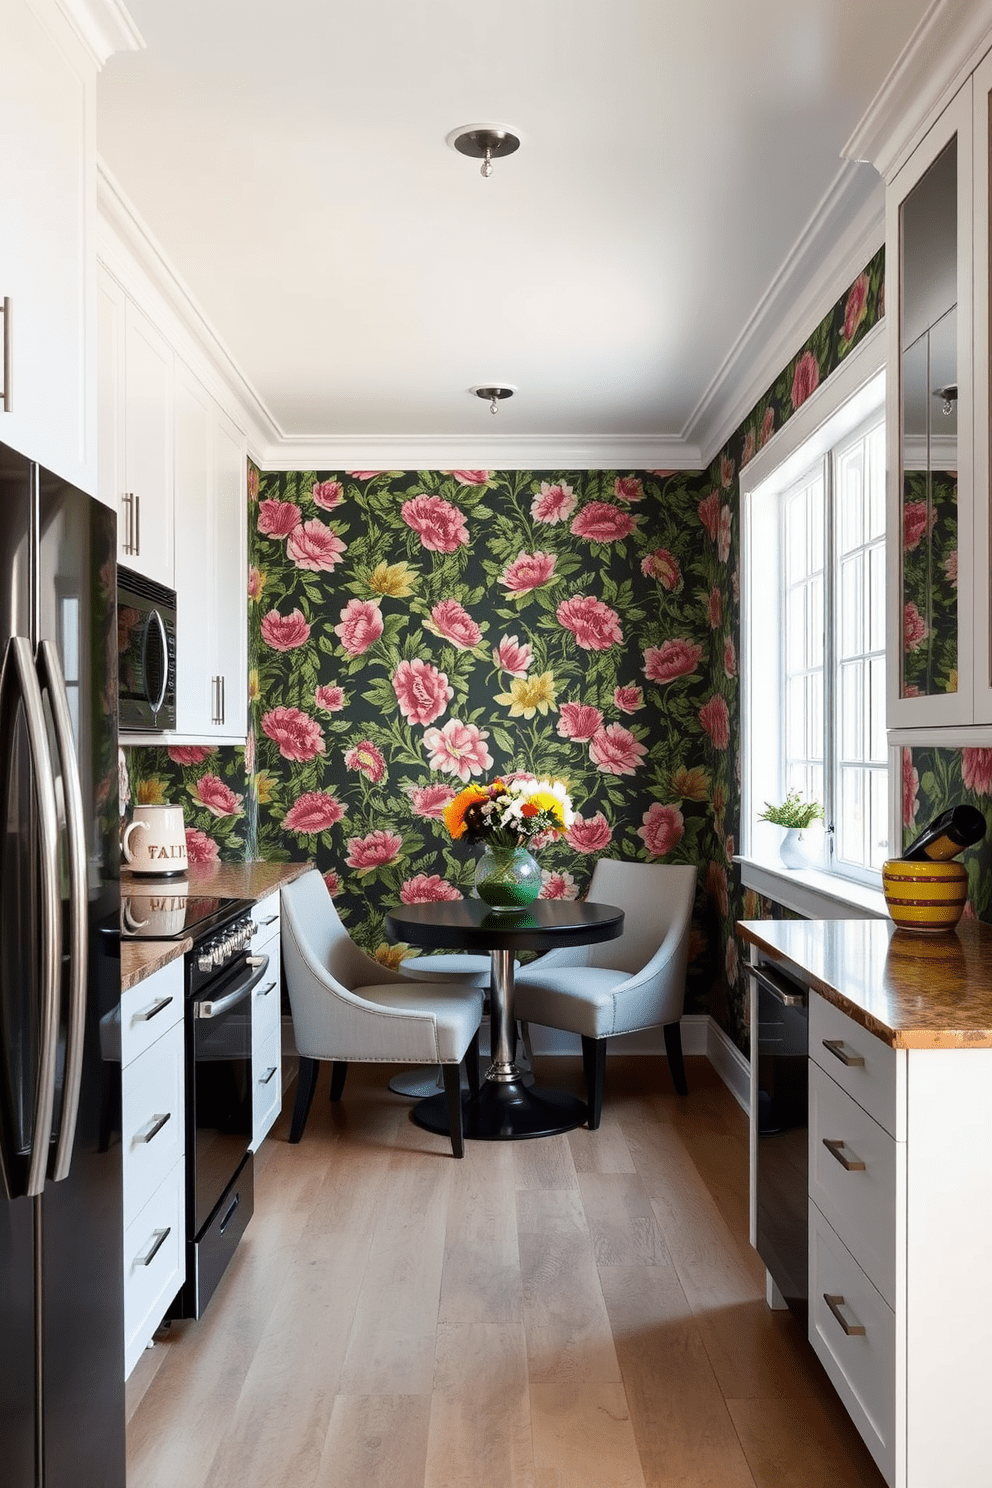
{"x":154,"y":1010}
{"x":266,"y":990}
{"x":836,"y":1149}
{"x":137,"y":525}
{"x":155,"y":1126}
{"x":223,"y":700}
{"x":835,"y":1303}
{"x":268,"y":1075}
{"x":127,"y":503}
{"x":160,"y":1238}
{"x":232,"y":1209}
{"x":6,"y":353}
{"x":259,"y":924}
{"x":217,"y":684}
{"x":836,"y":1048}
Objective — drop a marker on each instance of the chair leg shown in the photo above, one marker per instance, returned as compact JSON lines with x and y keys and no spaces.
{"x":673,"y":1048}
{"x":339,"y":1073}
{"x":453,"y":1092}
{"x":594,"y":1069}
{"x":472,"y":1065}
{"x":306,"y":1084}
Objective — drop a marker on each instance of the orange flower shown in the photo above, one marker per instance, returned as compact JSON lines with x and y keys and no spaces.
{"x":454,"y":812}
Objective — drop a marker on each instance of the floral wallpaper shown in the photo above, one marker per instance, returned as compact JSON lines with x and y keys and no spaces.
{"x":929,"y":578}
{"x":933,"y":780}
{"x":413,"y":630}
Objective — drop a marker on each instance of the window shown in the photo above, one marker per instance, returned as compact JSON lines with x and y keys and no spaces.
{"x":815,"y":639}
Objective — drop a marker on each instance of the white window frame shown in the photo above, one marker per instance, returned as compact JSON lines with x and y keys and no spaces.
{"x":832,"y":415}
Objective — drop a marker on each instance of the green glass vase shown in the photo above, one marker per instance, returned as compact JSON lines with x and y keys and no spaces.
{"x":507,"y":877}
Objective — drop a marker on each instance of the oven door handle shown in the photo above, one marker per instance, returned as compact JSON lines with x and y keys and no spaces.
{"x":207,"y":1009}
{"x":788,"y":993}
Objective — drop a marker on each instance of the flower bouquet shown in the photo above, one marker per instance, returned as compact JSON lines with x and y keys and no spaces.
{"x":505,"y":816}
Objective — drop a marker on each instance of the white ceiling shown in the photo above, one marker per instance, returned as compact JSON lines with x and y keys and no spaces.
{"x":291,"y":162}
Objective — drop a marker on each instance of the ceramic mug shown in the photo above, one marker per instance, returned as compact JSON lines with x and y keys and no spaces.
{"x":152,"y":913}
{"x":155,"y":840}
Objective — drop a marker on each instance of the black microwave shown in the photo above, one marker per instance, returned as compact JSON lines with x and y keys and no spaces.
{"x":146,"y":647}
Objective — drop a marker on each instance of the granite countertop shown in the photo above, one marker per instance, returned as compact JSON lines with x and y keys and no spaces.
{"x":140,"y":958}
{"x":911,"y":991}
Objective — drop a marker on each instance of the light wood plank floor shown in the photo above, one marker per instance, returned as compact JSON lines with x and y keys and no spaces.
{"x":580,"y":1311}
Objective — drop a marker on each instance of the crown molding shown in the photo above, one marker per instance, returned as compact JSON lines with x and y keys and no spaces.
{"x":844,"y":233}
{"x":465,"y":452}
{"x":103,"y":26}
{"x":943,"y":51}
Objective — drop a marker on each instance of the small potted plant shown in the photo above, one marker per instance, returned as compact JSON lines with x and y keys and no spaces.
{"x":795,"y":815}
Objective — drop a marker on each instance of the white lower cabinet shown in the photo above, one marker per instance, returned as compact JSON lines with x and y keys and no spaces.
{"x":266,"y":1023}
{"x":153,"y":1140}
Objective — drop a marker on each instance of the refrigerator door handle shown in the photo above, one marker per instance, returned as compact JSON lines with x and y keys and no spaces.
{"x":52,"y":680}
{"x":19,"y":670}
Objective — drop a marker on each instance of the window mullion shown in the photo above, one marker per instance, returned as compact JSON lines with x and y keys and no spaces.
{"x":830,"y":605}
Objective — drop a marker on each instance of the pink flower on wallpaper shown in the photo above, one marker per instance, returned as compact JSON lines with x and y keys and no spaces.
{"x":729,"y":657}
{"x":328,"y":494}
{"x":360,"y":627}
{"x":578,"y":721}
{"x":312,"y":812}
{"x":661,"y":474}
{"x":750,"y":444}
{"x":662,"y":566}
{"x":365,"y":474}
{"x":976,"y":770}
{"x":856,"y":307}
{"x":332,"y":882}
{"x":252,"y":482}
{"x":628,"y":488}
{"x":589,"y":834}
{"x":458,"y":749}
{"x":250,"y":750}
{"x":218,"y":798}
{"x":298,"y":736}
{"x":917,"y":521}
{"x":723,"y":534}
{"x":428,"y":888}
{"x":726,"y":471}
{"x":671,"y":659}
{"x":470,"y":478}
{"x":951,"y":567}
{"x":439,"y":524}
{"x":914,"y":628}
{"x":553,"y":503}
{"x":714,"y":608}
{"x":190,"y":754}
{"x":709,"y":513}
{"x":200,"y":848}
{"x":278,"y":518}
{"x":767,"y":427}
{"x":421,"y":690}
{"x":556,"y":884}
{"x":910,"y":788}
{"x":628,"y":699}
{"x":367,"y":760}
{"x":285,"y":632}
{"x":528,"y":571}
{"x":806,"y":378}
{"x":663,"y":829}
{"x":513,"y":656}
{"x":373,"y":851}
{"x":453,"y":623}
{"x":329,"y":699}
{"x":594,"y":625}
{"x":256,"y":583}
{"x":716,"y":721}
{"x":600,"y":522}
{"x":429,"y":801}
{"x":615,"y":751}
{"x":315,"y":546}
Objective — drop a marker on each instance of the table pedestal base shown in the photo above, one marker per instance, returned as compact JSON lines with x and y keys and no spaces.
{"x":505,"y":1111}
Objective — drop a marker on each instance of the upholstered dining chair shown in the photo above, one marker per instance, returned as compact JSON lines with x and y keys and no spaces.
{"x":347,"y":1007}
{"x":619,"y":986}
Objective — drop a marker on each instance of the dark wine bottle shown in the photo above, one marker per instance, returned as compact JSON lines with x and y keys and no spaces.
{"x":948,"y":834}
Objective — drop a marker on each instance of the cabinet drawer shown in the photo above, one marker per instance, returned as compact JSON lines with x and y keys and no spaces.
{"x":266,"y":1100}
{"x":154,"y":1263}
{"x":266,"y":916}
{"x":266,"y":998}
{"x":870,"y":1071}
{"x":853,"y":1181}
{"x":861,"y":1362}
{"x":150,"y":1008}
{"x":152,"y":1119}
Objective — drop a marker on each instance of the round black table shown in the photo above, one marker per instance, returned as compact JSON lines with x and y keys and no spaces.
{"x":505,"y":1109}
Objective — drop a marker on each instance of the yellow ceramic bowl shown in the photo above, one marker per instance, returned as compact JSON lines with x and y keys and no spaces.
{"x":927,"y":898}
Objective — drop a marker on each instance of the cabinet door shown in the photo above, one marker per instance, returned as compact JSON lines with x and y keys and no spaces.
{"x":929,"y":226}
{"x":231,"y":575}
{"x":145,"y":525}
{"x":110,"y":309}
{"x":48,"y":202}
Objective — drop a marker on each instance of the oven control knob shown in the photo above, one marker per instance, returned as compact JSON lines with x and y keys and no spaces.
{"x":205,"y":961}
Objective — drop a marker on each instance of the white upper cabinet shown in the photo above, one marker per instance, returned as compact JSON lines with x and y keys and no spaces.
{"x":47,"y":265}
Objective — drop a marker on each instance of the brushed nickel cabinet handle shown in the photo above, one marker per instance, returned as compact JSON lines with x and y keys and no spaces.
{"x":137,"y":524}
{"x":836,"y":1048}
{"x":836,"y":1149}
{"x":835,"y":1303}
{"x":270,"y":921}
{"x":156,"y":1125}
{"x":127,"y":503}
{"x":160,"y":1238}
{"x":266,"y":990}
{"x":268,"y":1075}
{"x":6,"y":353}
{"x":154,"y":1010}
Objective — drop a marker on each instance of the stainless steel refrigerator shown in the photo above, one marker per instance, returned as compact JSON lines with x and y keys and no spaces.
{"x":61,"y":1314}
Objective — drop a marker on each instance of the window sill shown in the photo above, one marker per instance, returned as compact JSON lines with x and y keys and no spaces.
{"x":812,"y":893}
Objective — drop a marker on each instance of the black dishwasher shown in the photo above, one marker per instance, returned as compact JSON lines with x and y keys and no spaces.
{"x":782,"y":1162}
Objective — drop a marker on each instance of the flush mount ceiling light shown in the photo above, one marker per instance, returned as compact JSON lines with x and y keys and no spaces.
{"x":485,"y":142}
{"x":493,"y":395}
